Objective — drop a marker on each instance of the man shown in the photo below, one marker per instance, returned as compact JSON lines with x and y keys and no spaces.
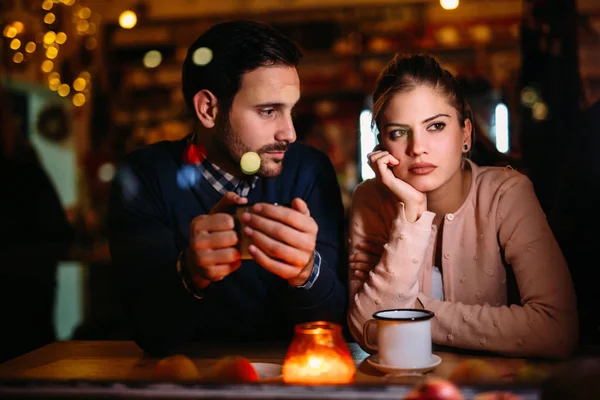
{"x":170,"y":215}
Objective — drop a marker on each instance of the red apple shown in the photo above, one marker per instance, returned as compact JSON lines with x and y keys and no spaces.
{"x":232,"y":369}
{"x":434,"y":389}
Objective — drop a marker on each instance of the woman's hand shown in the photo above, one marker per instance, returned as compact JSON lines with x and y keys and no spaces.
{"x":364,"y":259}
{"x":415,"y":202}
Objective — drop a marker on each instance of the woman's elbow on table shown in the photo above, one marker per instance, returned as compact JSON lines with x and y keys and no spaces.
{"x":563,"y":341}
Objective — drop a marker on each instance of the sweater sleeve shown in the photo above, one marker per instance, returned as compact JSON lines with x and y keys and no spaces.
{"x":546,"y":322}
{"x":326,"y":299}
{"x":393,"y":281}
{"x":143,"y":248}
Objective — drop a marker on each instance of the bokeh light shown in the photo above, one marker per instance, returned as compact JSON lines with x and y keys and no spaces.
{"x":127,"y":19}
{"x":202,"y":56}
{"x":152,"y":59}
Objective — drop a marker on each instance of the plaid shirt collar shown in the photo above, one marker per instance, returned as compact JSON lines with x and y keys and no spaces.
{"x":220,"y":179}
{"x":224,"y":182}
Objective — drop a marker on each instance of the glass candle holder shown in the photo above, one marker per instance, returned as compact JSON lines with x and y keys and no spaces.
{"x":318,"y":354}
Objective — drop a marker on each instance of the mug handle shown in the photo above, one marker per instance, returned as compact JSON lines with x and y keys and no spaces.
{"x":366,"y":341}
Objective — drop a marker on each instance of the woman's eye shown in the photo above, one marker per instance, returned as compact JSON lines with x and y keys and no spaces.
{"x":398,"y":133}
{"x":438,"y":126}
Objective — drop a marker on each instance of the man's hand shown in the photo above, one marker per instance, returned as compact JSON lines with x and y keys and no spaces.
{"x":283,"y":239}
{"x":212,"y":254}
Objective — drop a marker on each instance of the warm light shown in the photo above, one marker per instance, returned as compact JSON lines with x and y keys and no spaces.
{"x":30,"y":47}
{"x":318,"y":354}
{"x":54,"y":76}
{"x":47,"y":66}
{"x":10,"y":31}
{"x":539,"y":111}
{"x":63,"y":90}
{"x":49,"y":37}
{"x":82,"y":26}
{"x":449,"y":4}
{"x":19,"y":26}
{"x":78,"y":99}
{"x":68,"y":2}
{"x":15,"y":44}
{"x":61,"y":38}
{"x":448,"y":35}
{"x":152,"y":59}
{"x":51,"y":52}
{"x":54,"y":85}
{"x":85,"y":13}
{"x":47,"y":5}
{"x":49,"y":18}
{"x":529,"y":96}
{"x":18,"y":57}
{"x":85,"y":75}
{"x":127,"y":19}
{"x":481,"y":33}
{"x":79,"y":84}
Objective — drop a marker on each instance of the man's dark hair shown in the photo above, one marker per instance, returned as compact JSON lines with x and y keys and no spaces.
{"x":237,"y":47}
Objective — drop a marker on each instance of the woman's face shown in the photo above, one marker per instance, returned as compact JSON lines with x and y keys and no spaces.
{"x":421,"y":129}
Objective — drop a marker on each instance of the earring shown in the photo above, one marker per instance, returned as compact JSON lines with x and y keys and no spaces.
{"x":466,"y":147}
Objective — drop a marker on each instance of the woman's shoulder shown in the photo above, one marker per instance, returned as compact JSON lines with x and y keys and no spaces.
{"x":491,"y":178}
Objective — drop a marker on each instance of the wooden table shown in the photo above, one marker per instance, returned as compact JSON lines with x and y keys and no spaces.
{"x":107,"y":368}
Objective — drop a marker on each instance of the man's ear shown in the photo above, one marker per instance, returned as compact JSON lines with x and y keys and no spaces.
{"x":205,"y":104}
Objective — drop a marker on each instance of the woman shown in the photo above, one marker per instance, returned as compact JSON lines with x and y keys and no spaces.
{"x":433,"y":230}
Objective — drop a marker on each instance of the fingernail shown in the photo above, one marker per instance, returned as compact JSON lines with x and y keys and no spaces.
{"x":245,"y":217}
{"x":248,"y":231}
{"x":252,"y":249}
{"x":257,"y":208}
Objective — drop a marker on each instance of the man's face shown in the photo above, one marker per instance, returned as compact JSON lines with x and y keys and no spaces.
{"x":260,"y":117}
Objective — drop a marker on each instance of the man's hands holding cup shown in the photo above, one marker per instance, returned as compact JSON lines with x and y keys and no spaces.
{"x":282,"y":241}
{"x":212,"y":253}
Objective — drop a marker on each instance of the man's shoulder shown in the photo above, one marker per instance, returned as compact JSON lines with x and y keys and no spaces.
{"x":300,"y":155}
{"x":159,"y":156}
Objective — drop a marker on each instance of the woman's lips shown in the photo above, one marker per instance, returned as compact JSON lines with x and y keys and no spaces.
{"x":421,"y":168}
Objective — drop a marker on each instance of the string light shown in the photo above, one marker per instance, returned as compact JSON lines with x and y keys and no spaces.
{"x":23,"y":37}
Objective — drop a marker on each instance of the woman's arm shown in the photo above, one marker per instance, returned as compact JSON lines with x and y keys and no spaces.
{"x":546,"y":322}
{"x":392,"y":280}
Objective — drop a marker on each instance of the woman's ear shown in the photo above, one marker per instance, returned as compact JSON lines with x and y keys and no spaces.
{"x":205,"y":104}
{"x":468,"y":133}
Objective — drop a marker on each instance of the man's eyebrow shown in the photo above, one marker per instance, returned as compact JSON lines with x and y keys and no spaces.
{"x":434,"y":117}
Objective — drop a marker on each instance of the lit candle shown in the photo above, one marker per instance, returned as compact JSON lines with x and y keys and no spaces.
{"x":318,"y":355}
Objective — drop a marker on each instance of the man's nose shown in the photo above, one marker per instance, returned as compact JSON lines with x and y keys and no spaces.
{"x":286,"y":131}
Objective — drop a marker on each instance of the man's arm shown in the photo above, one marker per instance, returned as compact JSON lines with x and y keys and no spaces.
{"x":162,"y":313}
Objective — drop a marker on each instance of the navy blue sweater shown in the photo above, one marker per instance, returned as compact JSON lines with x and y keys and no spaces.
{"x":153,"y":200}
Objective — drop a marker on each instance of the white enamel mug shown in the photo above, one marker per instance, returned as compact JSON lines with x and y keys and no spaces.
{"x":403,"y":337}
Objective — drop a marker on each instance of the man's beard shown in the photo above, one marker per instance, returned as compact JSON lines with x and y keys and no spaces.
{"x":233,"y":149}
